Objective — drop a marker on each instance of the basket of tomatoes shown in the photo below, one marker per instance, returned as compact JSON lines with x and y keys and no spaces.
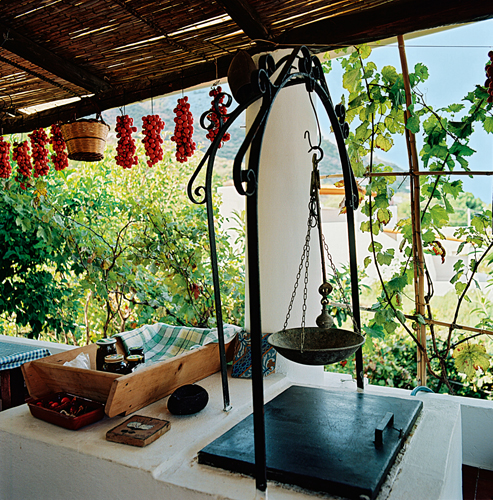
{"x":66,"y":410}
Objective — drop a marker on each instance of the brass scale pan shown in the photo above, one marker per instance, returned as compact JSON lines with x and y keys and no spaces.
{"x":323,"y":344}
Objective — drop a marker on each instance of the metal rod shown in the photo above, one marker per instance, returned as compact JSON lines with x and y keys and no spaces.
{"x":315,"y":186}
{"x":434,"y":172}
{"x":353,"y":266}
{"x":216,"y":285}
{"x":256,"y":339}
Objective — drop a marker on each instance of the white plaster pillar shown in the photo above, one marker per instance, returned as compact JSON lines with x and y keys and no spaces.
{"x":284,"y":192}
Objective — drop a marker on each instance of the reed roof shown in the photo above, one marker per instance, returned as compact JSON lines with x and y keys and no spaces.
{"x":123,"y":51}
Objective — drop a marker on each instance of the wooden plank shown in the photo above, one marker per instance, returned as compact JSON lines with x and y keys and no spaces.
{"x":129,"y":393}
{"x":386,"y":21}
{"x":17,"y":44}
{"x":138,"y":431}
{"x":247,"y":18}
{"x":135,"y":91}
{"x":45,"y":378}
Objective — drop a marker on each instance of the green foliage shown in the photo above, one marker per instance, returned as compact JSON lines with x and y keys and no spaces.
{"x":378,"y":116}
{"x":391,"y":362}
{"x":107,"y":249}
{"x":34,"y":266}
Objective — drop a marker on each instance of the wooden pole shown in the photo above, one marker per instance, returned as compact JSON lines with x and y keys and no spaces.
{"x":419,"y":275}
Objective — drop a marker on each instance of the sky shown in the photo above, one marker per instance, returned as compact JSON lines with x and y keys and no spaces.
{"x":455,"y":59}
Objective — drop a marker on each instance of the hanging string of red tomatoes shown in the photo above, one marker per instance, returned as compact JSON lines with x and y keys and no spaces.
{"x":5,"y":166}
{"x":152,"y":126}
{"x":39,"y":141}
{"x":60,"y":156}
{"x":20,"y":154}
{"x":36,"y":164}
{"x":125,"y":149}
{"x":185,"y":147}
{"x":213,"y":115}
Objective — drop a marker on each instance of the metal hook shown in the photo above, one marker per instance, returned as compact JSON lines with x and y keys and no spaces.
{"x":318,"y":149}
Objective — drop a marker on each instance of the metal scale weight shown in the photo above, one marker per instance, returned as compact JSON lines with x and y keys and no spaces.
{"x":340,"y":442}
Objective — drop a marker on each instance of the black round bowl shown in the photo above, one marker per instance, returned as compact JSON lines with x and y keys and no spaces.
{"x":187,"y":400}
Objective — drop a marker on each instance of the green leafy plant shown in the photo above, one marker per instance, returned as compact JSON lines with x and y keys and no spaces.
{"x":379,"y":112}
{"x":130,"y":247}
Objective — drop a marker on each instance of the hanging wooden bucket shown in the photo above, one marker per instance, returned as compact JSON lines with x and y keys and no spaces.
{"x":86,"y":138}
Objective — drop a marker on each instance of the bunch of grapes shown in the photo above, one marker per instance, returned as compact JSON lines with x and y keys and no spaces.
{"x":5,"y":167}
{"x":489,"y":77}
{"x":39,"y":141}
{"x":60,"y":158}
{"x":125,"y":149}
{"x":152,"y":126}
{"x":185,"y":147}
{"x":20,"y":154}
{"x":216,"y":123}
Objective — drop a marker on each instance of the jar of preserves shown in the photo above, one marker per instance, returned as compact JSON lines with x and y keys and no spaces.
{"x":139,"y":350}
{"x":105,"y":348}
{"x":114,"y":363}
{"x":134,"y":360}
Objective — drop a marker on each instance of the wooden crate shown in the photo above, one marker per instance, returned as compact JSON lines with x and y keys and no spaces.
{"x":121,"y":394}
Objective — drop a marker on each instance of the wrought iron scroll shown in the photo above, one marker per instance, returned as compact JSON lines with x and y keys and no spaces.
{"x":297,"y":68}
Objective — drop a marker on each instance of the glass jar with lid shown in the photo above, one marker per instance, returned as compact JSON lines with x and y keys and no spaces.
{"x":105,"y":348}
{"x":134,"y":361}
{"x":114,"y":363}
{"x":139,"y":350}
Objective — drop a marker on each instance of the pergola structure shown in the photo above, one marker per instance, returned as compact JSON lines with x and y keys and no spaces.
{"x":102,"y":54}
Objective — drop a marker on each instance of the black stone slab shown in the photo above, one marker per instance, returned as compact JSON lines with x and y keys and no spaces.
{"x":321,"y":440}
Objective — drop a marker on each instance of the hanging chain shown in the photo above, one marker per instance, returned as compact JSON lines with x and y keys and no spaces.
{"x":305,"y":262}
{"x":339,"y":284}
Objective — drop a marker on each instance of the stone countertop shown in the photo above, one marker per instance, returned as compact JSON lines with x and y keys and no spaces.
{"x":41,"y":461}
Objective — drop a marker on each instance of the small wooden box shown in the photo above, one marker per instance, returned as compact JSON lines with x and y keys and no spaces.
{"x":121,"y":394}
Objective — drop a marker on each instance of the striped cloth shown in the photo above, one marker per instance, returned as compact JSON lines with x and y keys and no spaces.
{"x":162,"y":341}
{"x":13,"y":354}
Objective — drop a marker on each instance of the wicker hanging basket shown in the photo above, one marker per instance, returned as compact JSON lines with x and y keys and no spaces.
{"x":86,"y":138}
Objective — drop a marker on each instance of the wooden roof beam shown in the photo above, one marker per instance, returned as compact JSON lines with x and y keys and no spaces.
{"x":247,"y":18}
{"x":43,"y":58}
{"x":169,"y":83}
{"x":386,"y":21}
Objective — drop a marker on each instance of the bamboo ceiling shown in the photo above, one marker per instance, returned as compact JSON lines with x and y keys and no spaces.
{"x":123,"y":51}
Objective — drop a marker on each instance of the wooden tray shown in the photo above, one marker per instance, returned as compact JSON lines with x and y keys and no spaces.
{"x":121,"y":394}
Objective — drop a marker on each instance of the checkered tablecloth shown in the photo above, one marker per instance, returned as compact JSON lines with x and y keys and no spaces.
{"x":13,"y":354}
{"x":162,"y":341}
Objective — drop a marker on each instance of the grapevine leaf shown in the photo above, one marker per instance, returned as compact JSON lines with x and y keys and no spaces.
{"x":488,"y":124}
{"x":384,"y":215}
{"x":420,"y":319}
{"x":439,"y":215}
{"x":412,"y":124}
{"x":421,"y":71}
{"x":455,"y":108}
{"x":397,"y":284}
{"x":460,"y":286}
{"x":389,"y":73}
{"x":471,"y":357}
{"x":383,"y":143}
{"x":401,"y":317}
{"x":367,"y":261}
{"x":357,"y":101}
{"x":374,"y":331}
{"x":375,"y":246}
{"x":385,"y":258}
{"x":364,"y":51}
{"x":351,"y":78}
{"x":390,"y":326}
